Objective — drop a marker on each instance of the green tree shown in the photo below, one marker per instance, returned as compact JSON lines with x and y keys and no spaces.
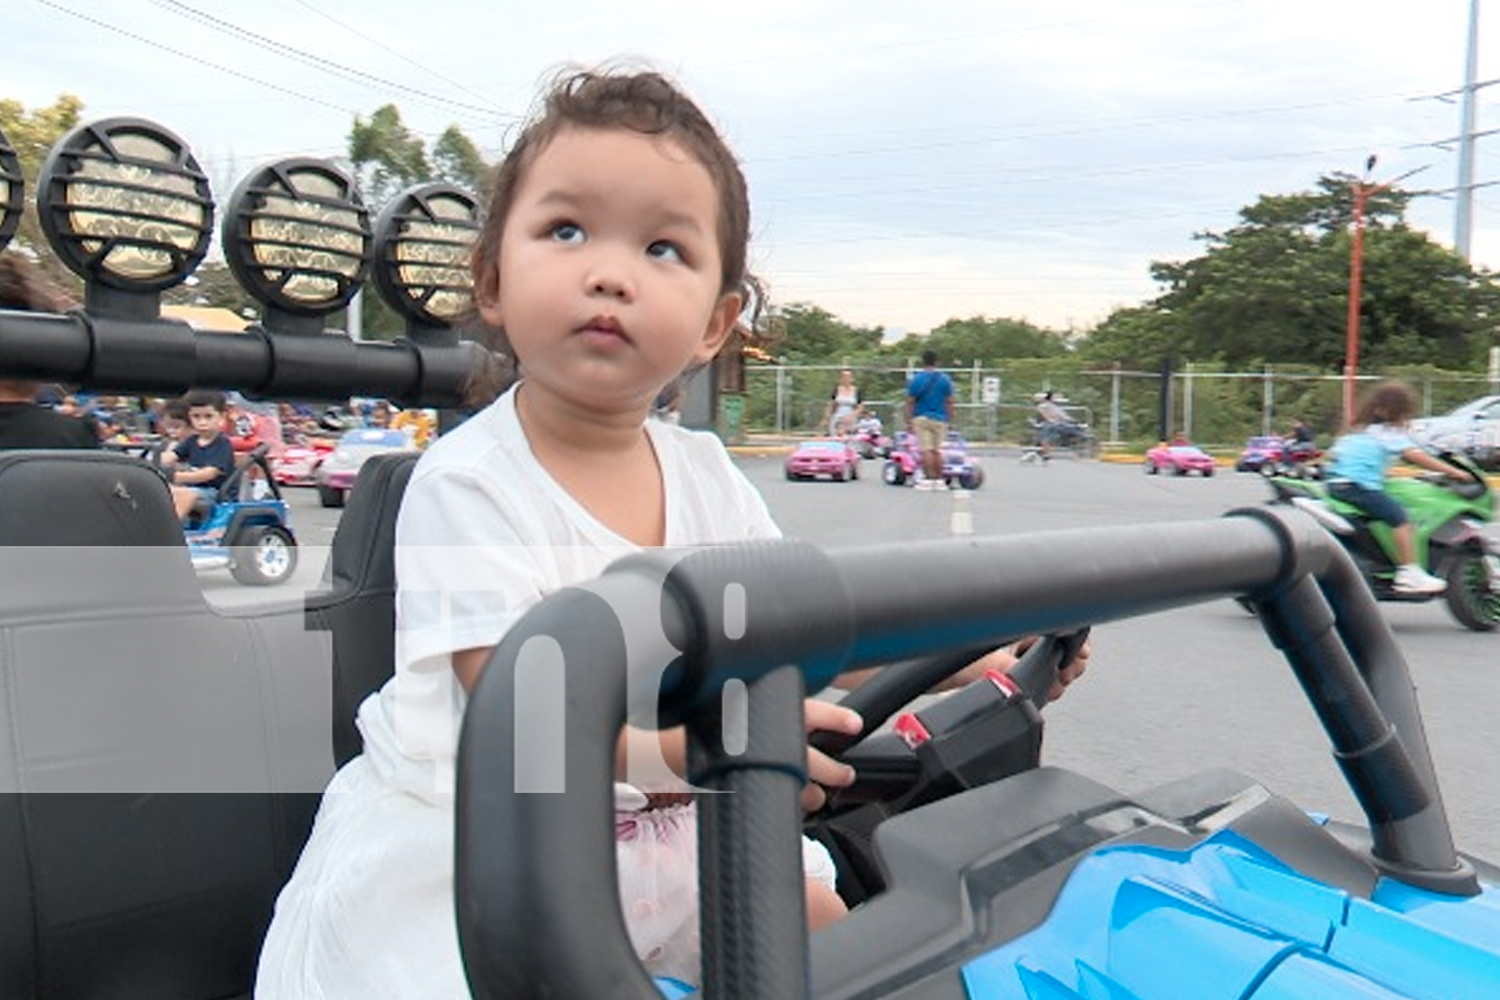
{"x":457,"y":160}
{"x":32,"y":134}
{"x":386,"y":156}
{"x":813,"y":335}
{"x":992,"y":341}
{"x":1275,"y":288}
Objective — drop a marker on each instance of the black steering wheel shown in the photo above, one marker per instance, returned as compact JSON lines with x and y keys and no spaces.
{"x":895,"y":687}
{"x":987,"y":731}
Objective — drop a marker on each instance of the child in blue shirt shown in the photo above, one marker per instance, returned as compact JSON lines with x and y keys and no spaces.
{"x":200,"y":462}
{"x":1358,"y":465}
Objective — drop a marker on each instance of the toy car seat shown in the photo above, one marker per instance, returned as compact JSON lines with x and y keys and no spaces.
{"x":144,"y":830}
{"x":358,"y":603}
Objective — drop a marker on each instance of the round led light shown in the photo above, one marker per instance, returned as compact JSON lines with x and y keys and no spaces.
{"x":123,"y":202}
{"x":12,"y":191}
{"x":424,"y":238}
{"x":297,"y":236}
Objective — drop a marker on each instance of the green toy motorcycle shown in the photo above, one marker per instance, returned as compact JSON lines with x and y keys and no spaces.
{"x":1448,"y":516}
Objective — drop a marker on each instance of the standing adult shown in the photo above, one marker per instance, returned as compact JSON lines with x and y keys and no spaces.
{"x":929,"y":411}
{"x":24,"y":423}
{"x":843,"y":406}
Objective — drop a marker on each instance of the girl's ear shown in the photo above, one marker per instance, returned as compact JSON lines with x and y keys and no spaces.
{"x":486,"y":291}
{"x":720,"y":326}
{"x":487,"y":302}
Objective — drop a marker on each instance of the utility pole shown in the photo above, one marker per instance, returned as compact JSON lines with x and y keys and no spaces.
{"x":1362,"y":189}
{"x":1463,"y":215}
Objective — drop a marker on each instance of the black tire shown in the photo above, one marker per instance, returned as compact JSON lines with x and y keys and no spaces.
{"x":972,"y":478}
{"x":854,"y":471}
{"x":893,"y":474}
{"x":791,"y":476}
{"x":1207,"y":473}
{"x":1151,"y":468}
{"x":1469,"y":596}
{"x":330,"y":497}
{"x":264,"y":555}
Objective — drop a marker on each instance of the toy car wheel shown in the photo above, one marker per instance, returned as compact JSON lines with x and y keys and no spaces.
{"x":971,"y":479}
{"x":854,"y":471}
{"x":330,"y":497}
{"x":1151,"y":468}
{"x":893,"y":474}
{"x":264,"y":554}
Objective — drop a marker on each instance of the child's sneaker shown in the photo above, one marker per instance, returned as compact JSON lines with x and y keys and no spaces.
{"x":940,"y":485}
{"x":925,"y":485}
{"x":1416,"y":580}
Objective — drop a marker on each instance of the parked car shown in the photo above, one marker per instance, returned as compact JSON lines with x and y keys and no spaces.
{"x":1472,"y":429}
{"x":335,"y":476}
{"x":823,"y":458}
{"x":1179,"y":459}
{"x":1260,"y":452}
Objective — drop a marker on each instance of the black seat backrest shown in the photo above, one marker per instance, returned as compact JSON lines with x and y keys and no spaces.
{"x":160,"y":761}
{"x":359,"y":604}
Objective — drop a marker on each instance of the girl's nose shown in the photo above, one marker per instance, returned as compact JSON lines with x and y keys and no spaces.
{"x":610,"y":276}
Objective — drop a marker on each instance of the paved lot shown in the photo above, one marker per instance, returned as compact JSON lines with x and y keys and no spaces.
{"x":1200,"y":687}
{"x":1171,"y":694}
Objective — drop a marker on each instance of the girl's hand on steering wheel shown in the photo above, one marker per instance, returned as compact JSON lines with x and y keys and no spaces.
{"x":822,"y":770}
{"x":1004,"y":658}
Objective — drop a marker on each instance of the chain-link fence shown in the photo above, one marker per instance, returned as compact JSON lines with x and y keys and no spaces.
{"x":1122,"y":406}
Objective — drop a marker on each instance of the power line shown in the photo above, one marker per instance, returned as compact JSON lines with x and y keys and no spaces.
{"x":314,"y":61}
{"x":381,"y":45}
{"x":192,"y":58}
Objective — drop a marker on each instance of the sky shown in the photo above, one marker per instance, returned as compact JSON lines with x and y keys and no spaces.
{"x":908,"y":163}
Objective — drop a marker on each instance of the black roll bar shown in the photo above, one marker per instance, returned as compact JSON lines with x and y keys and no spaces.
{"x":672,"y":633}
{"x":161,"y":356}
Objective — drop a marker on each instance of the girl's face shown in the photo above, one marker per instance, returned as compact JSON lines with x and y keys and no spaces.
{"x":609,"y":270}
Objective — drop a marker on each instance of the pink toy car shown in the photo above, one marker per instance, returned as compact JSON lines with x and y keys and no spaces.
{"x":823,"y":458}
{"x":959,"y":467}
{"x":1179,"y":459}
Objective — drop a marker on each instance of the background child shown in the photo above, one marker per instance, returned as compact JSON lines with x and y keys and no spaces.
{"x":201,"y":461}
{"x":1359,"y":461}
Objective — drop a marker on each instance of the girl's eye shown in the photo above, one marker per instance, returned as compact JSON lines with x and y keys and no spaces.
{"x":664,"y":250}
{"x":567,"y":232}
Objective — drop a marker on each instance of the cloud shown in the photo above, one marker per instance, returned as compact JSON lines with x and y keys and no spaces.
{"x":908,"y":163}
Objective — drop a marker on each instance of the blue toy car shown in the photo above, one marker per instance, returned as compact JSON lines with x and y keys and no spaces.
{"x":246,"y":528}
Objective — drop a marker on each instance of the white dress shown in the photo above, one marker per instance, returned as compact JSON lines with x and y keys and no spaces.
{"x":368,"y":913}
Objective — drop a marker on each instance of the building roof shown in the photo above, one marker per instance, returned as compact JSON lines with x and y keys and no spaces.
{"x":206,"y":317}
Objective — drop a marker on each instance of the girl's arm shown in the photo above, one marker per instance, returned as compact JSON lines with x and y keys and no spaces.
{"x":1430,"y":462}
{"x":671,"y":744}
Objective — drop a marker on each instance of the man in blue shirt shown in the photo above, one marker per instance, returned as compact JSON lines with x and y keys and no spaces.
{"x":929,"y":411}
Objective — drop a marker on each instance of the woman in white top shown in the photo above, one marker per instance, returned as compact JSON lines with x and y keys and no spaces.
{"x":843,"y":406}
